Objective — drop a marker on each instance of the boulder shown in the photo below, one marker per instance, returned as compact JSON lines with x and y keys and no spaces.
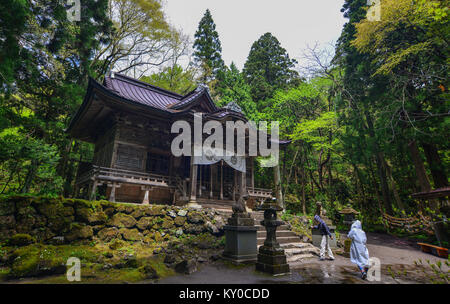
{"x":195,"y":217}
{"x":145,"y":223}
{"x":79,"y":231}
{"x":186,"y":267}
{"x":179,"y":232}
{"x":155,"y":210}
{"x":179,"y":221}
{"x":167,"y":223}
{"x":22,"y":239}
{"x":182,"y":213}
{"x":125,"y":208}
{"x":149,"y":272}
{"x":139,"y":212}
{"x":157,"y":236}
{"x":107,"y":234}
{"x":122,"y":220}
{"x":211,"y":228}
{"x":170,"y":259}
{"x":91,"y":217}
{"x":131,"y":234}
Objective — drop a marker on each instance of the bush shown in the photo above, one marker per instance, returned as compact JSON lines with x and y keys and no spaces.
{"x":21,"y":239}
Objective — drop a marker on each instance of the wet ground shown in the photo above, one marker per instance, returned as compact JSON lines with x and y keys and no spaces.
{"x":397,"y":257}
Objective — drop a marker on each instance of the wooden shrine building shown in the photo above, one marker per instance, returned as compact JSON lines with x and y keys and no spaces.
{"x":129,"y":122}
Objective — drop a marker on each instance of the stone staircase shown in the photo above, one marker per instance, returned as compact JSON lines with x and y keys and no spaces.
{"x":296,"y":250}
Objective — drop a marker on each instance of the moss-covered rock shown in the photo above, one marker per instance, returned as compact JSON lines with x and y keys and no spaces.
{"x":179,"y":221}
{"x":131,"y":234}
{"x":195,"y":217}
{"x":22,"y":239}
{"x":91,"y":217}
{"x":156,"y":210}
{"x":79,"y":231}
{"x":109,"y":233}
{"x":157,"y":236}
{"x":167,"y":223}
{"x":139,"y":211}
{"x":126,"y":208}
{"x":146,"y":223}
{"x":43,"y":233}
{"x":122,"y":220}
{"x":149,"y":272}
{"x":35,"y":260}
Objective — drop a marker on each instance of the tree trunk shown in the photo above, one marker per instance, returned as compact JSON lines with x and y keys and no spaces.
{"x":425,"y":187}
{"x":380,"y":168}
{"x":437,"y":169}
{"x":397,"y":198}
{"x":30,"y":176}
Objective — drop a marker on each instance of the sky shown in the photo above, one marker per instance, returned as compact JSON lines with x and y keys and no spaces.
{"x":295,"y":23}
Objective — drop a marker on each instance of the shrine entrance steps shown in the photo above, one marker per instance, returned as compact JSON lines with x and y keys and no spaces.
{"x":296,"y":250}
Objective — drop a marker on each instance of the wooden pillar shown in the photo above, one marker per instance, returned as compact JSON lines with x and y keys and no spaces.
{"x":93,"y":190}
{"x":112,"y":194}
{"x":253,"y":172}
{"x":278,"y":193}
{"x":234,"y":185}
{"x":243,"y":185}
{"x":210,"y":181}
{"x":193,"y":186}
{"x":200,"y":181}
{"x":146,"y":201}
{"x":221,"y":180}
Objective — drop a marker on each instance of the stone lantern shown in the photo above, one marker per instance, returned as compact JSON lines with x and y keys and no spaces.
{"x":271,"y":256}
{"x":349,"y":215}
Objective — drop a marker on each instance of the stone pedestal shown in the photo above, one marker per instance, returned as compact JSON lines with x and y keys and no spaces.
{"x":271,"y":257}
{"x":240,"y":239}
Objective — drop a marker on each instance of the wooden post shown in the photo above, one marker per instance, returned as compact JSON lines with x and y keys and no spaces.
{"x":210,"y":181}
{"x":243,"y":185}
{"x":234,"y":185}
{"x":200,"y":181}
{"x":221,"y":180}
{"x":193,"y":188}
{"x":112,"y":194}
{"x":93,"y":191}
{"x":278,"y":193}
{"x":253,"y":172}
{"x":146,"y":201}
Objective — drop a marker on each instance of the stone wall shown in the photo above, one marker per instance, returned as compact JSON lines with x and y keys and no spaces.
{"x":64,"y":221}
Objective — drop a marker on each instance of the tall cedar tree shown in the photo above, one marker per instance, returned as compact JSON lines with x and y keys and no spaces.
{"x":207,"y":48}
{"x":268,"y":67}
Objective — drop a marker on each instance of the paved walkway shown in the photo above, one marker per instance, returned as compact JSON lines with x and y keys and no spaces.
{"x":397,"y":257}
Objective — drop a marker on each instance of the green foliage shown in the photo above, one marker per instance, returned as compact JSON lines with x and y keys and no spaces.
{"x":207,"y":48}
{"x":174,"y":79}
{"x":268,"y":68}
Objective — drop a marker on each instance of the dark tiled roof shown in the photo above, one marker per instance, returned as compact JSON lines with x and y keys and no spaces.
{"x":142,"y":92}
{"x":147,"y":94}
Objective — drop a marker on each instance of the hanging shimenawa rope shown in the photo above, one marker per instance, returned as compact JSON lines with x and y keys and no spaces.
{"x":410,"y":224}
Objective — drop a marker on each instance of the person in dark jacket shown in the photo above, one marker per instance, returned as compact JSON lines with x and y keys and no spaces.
{"x":325,"y":232}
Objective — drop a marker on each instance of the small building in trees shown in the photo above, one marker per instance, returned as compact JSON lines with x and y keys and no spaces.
{"x":129,"y":122}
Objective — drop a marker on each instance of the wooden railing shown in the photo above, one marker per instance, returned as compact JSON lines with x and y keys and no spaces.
{"x":260,"y":192}
{"x":114,"y":175}
{"x":125,"y":176}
